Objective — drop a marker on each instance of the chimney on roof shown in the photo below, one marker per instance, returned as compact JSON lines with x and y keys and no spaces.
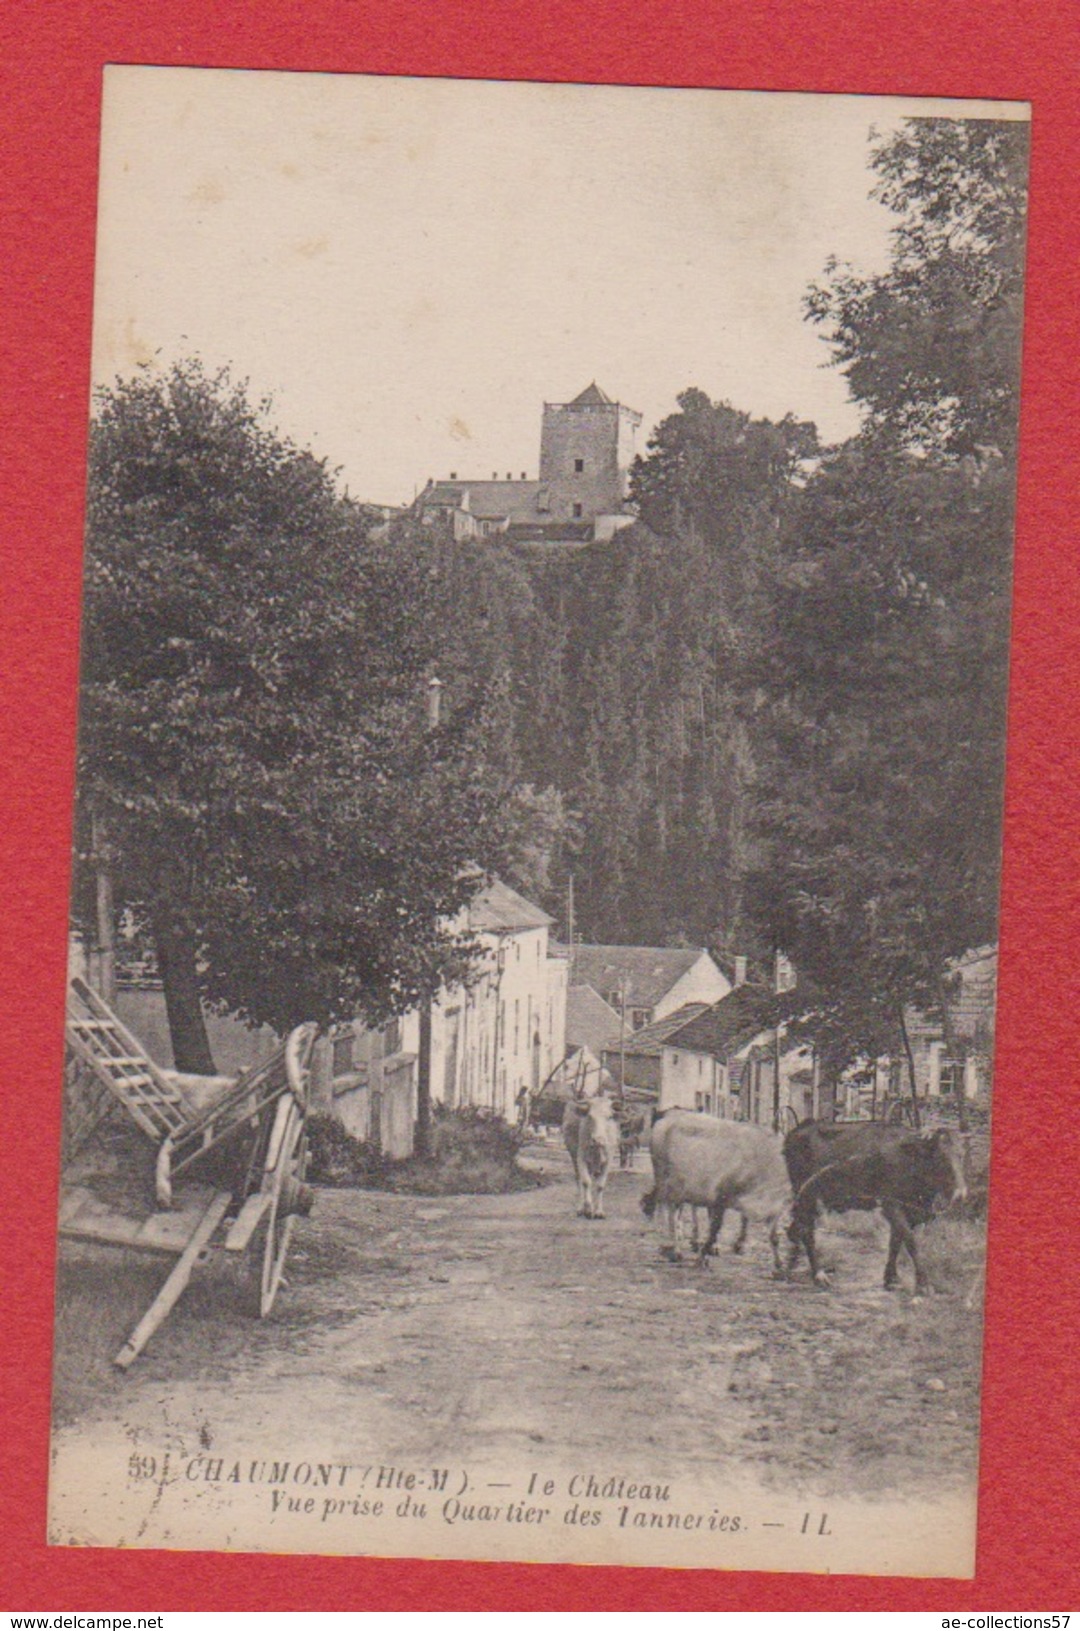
{"x":740,"y":971}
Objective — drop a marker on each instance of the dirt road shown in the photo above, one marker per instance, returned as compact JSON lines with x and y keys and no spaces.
{"x":469,"y":1327}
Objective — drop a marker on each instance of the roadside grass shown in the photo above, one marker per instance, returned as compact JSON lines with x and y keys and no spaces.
{"x":474,"y":1154}
{"x":98,"y":1301}
{"x":952,"y":1247}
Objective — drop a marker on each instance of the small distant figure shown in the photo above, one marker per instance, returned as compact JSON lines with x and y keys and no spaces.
{"x":631,"y":1130}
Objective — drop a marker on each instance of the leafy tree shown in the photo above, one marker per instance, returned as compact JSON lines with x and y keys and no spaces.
{"x":884,"y":679}
{"x":252,"y":740}
{"x":547,"y":838}
{"x":931,"y":347}
{"x":879,"y":803}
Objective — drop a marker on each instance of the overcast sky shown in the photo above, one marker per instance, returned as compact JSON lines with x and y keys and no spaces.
{"x":412,"y":267}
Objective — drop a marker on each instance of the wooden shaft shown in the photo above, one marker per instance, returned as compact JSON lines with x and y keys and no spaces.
{"x":175,"y":1285}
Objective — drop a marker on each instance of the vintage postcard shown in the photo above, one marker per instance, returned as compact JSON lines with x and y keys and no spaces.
{"x":534,"y":936}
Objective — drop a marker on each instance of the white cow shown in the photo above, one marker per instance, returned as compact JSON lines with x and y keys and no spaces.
{"x":591,"y":1133}
{"x":700,"y":1161}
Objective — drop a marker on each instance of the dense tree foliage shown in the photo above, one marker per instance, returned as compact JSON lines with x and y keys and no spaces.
{"x":931,"y":347}
{"x":633,"y":688}
{"x":879,"y":810}
{"x":252,"y":739}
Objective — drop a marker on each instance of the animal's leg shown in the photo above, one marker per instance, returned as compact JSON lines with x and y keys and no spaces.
{"x":794,"y":1242}
{"x":802,"y":1233}
{"x":585,"y":1209}
{"x":774,"y":1242}
{"x":579,"y":1188}
{"x":695,"y":1232}
{"x":598,"y":1195}
{"x":699,"y":1231}
{"x":740,"y":1239}
{"x":901,"y":1234}
{"x":716,"y":1218}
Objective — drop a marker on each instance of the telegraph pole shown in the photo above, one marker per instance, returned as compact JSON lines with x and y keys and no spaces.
{"x":423,"y":1056}
{"x":778,"y":982}
{"x":105,"y":923}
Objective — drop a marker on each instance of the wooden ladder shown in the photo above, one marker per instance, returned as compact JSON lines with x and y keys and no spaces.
{"x":119,"y":1061}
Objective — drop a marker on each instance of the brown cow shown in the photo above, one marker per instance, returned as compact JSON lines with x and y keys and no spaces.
{"x":862,"y":1165}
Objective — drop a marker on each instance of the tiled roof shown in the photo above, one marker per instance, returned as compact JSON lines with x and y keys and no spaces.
{"x":591,"y":397}
{"x":497,"y":909}
{"x":729,"y":1023}
{"x":649,"y":972}
{"x":487,"y":500}
{"x":651,"y":1038}
{"x":589,"y":1019}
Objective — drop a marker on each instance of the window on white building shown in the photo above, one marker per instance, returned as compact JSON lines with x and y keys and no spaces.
{"x":951,"y":1079}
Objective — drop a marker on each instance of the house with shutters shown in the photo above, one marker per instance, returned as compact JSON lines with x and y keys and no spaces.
{"x":634,"y":1057}
{"x":953,"y":1063}
{"x":732,"y":1060}
{"x":493,"y":1040}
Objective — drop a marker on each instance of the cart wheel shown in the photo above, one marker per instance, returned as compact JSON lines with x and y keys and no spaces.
{"x":289,"y":1198}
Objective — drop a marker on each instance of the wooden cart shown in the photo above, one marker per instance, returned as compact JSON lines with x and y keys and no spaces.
{"x":229,"y":1165}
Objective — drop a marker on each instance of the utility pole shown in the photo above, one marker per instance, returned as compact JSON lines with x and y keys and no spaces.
{"x":780,"y":985}
{"x":423,"y":1056}
{"x":105,"y":925}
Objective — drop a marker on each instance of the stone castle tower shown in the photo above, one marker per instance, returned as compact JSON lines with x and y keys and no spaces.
{"x":586,"y":449}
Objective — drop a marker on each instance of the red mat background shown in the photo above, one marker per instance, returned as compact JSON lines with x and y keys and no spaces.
{"x":1027,"y":49}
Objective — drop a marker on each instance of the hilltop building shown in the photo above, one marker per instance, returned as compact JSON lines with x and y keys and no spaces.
{"x":581,"y":495}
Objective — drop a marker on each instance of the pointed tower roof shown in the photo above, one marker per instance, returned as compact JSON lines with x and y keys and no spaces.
{"x":592,"y":397}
